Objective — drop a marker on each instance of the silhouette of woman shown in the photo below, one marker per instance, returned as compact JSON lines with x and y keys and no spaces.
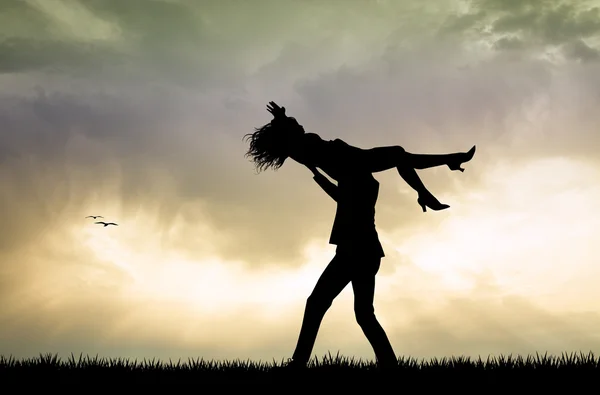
{"x":284,"y":137}
{"x":359,"y":252}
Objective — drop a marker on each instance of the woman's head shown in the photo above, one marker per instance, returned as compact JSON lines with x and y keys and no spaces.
{"x":270,"y":144}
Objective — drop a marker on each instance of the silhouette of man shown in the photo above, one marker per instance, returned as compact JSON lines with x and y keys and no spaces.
{"x":357,"y":260}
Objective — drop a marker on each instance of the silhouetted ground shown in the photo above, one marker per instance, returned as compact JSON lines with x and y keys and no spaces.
{"x":85,"y":374}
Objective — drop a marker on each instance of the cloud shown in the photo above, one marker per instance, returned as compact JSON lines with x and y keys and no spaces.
{"x":26,"y":54}
{"x":579,"y":50}
{"x":143,"y":41}
{"x":552,"y":25}
{"x":509,"y":43}
{"x":461,"y":23}
{"x":534,"y":26}
{"x":190,"y":44}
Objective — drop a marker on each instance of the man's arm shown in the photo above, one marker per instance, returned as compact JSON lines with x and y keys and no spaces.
{"x":328,"y":186}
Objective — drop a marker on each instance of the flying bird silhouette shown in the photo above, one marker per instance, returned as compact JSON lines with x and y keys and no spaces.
{"x":107,"y":223}
{"x":94,"y":216}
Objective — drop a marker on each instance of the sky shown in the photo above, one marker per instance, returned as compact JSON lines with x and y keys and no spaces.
{"x":136,"y":110}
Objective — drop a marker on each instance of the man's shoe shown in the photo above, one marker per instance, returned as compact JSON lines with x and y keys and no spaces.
{"x":291,"y":365}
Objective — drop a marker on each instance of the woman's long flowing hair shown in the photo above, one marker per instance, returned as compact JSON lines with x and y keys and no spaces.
{"x":267,"y":146}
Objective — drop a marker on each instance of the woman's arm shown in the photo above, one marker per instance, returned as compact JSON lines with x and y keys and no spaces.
{"x":330,"y":188}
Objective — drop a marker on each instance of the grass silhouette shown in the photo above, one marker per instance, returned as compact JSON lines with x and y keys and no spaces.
{"x":509,"y":370}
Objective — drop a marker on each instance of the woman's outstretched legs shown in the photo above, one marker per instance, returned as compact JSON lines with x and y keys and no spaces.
{"x":333,"y":280}
{"x":383,"y":158}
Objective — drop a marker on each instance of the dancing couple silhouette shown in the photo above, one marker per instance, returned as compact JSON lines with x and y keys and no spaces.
{"x":359,"y":251}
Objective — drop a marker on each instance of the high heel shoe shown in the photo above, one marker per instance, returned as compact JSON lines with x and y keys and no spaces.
{"x":431,"y":202}
{"x":460,"y":159}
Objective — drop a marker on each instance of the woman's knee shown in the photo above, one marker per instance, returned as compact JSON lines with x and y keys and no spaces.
{"x":400,"y":156}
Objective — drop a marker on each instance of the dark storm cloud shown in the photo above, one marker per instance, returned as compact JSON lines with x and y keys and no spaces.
{"x":533,"y":25}
{"x":19,"y":17}
{"x":191,"y":43}
{"x":509,"y":43}
{"x":460,"y":23}
{"x":578,"y":49}
{"x":170,"y":40}
{"x":28,"y":54}
{"x":552,"y":25}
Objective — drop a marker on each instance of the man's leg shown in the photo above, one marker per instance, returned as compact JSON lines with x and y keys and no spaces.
{"x":333,"y":280}
{"x":363,"y":285}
